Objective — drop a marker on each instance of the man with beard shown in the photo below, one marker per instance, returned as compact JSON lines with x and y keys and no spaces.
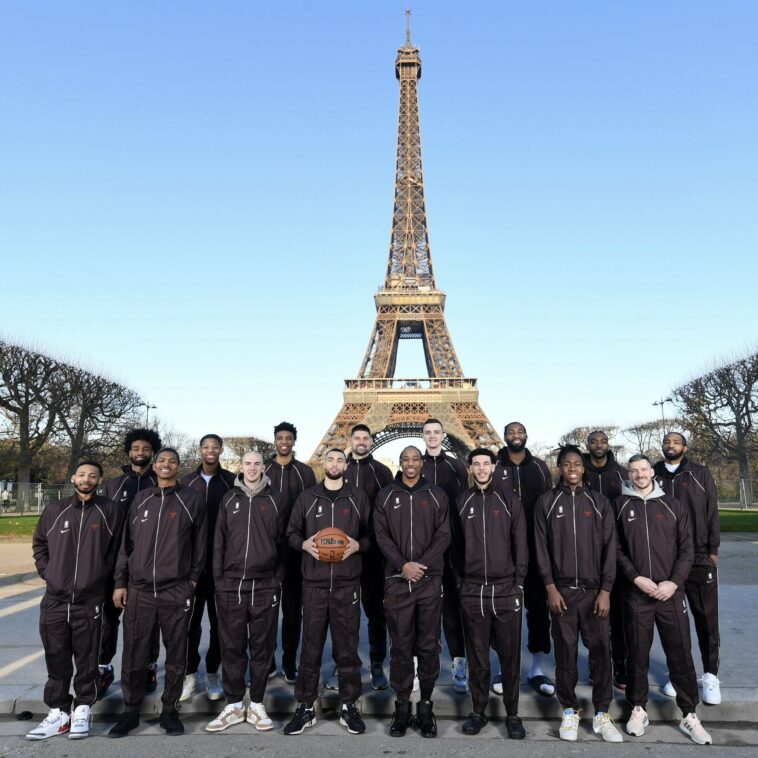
{"x":140,"y":445}
{"x":211,"y":482}
{"x":654,"y":554}
{"x":694,"y":487}
{"x":161,"y":558}
{"x":605,"y":475}
{"x":249,"y":561}
{"x":529,"y":477}
{"x":412,"y":527}
{"x":365,"y":473}
{"x":289,"y":478}
{"x":331,"y":591}
{"x":448,"y":472}
{"x":495,"y":559}
{"x":75,"y":546}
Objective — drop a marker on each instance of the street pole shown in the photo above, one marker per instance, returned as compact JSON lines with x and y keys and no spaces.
{"x":663,"y":402}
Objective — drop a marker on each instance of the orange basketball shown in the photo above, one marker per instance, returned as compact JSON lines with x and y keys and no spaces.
{"x":331,"y":544}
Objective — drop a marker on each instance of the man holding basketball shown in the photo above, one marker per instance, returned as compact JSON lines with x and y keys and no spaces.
{"x":331,"y":588}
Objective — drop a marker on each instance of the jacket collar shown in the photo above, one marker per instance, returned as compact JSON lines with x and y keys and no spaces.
{"x":505,"y":459}
{"x":627,"y":488}
{"x":422,"y":484}
{"x":610,"y":465}
{"x":129,"y":471}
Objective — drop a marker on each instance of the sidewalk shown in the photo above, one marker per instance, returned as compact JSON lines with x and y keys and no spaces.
{"x":22,"y":670}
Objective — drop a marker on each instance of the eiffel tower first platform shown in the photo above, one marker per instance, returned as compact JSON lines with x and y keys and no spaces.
{"x":409,"y":306}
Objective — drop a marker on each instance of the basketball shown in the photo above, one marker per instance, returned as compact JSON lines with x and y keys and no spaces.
{"x":331,"y":544}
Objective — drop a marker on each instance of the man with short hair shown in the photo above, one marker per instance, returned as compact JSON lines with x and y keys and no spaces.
{"x":412,"y":527}
{"x":140,"y":445}
{"x":249,"y":562}
{"x":331,"y":591}
{"x":75,"y":545}
{"x":289,"y":478}
{"x":211,"y":482}
{"x":365,"y":472}
{"x":529,"y":477}
{"x":159,"y":563}
{"x":448,"y":472}
{"x":693,"y":485}
{"x":604,"y":474}
{"x":493,"y":530}
{"x":654,"y":554}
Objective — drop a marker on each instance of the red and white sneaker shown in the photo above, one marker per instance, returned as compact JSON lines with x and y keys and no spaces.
{"x":56,"y":722}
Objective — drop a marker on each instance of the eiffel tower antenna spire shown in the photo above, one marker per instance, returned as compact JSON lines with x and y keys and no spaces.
{"x":409,"y":306}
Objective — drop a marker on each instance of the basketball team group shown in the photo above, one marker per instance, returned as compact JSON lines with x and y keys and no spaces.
{"x":606,"y":554}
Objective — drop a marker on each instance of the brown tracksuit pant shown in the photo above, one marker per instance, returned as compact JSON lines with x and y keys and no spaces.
{"x":579,"y":618}
{"x":292,"y":608}
{"x":452,"y":616}
{"x":618,"y":635}
{"x":537,"y":612}
{"x":171,"y":610}
{"x":248,"y":621}
{"x":204,"y":596}
{"x":413,"y":621}
{"x":70,"y":634}
{"x":493,"y":618}
{"x":372,"y":599}
{"x":642,"y":614}
{"x":702,"y":589}
{"x":338,"y":611}
{"x":111,"y":623}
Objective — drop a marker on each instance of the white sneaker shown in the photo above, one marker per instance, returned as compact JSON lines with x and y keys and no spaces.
{"x":80,"y":720}
{"x":692,"y":727}
{"x":56,"y":722}
{"x":497,"y":684}
{"x":569,"y":728}
{"x":637,"y":722}
{"x":460,"y":675}
{"x":213,"y":687}
{"x":188,"y":688}
{"x":228,"y":717}
{"x":711,"y":689}
{"x":668,"y":689}
{"x":416,"y":685}
{"x":257,"y":716}
{"x":603,"y":725}
{"x":333,"y":682}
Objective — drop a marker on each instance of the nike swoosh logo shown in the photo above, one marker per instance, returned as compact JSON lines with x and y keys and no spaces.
{"x":631,"y":519}
{"x":471,"y":515}
{"x":65,"y":531}
{"x":560,"y":515}
{"x":319,"y":515}
{"x":143,"y":520}
{"x":398,"y":506}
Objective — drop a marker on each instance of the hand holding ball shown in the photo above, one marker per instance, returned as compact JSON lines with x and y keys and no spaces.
{"x":331,"y":544}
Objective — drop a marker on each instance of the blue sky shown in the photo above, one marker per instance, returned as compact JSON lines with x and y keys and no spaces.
{"x":196,"y":198}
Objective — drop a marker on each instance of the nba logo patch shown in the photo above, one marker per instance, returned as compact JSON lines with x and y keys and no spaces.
{"x":188,"y":602}
{"x":631,"y":514}
{"x":320,"y":510}
{"x":397,"y":500}
{"x":145,"y":514}
{"x":236,"y":506}
{"x":471,"y":510}
{"x":560,"y":510}
{"x":65,"y":524}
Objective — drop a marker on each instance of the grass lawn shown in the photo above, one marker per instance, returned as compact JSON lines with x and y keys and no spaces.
{"x":735,"y":520}
{"x":18,"y":526}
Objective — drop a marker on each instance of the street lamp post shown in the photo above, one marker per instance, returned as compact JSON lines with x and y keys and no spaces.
{"x":663,"y":402}
{"x":147,"y":408}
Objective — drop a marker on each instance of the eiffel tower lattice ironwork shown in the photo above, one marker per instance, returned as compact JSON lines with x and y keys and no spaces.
{"x":409,"y":306}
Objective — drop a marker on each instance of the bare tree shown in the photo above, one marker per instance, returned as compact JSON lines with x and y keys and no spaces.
{"x":236,"y":447}
{"x":646,"y":437}
{"x":722,"y":406}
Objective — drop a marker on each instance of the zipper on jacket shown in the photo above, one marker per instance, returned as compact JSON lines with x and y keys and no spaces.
{"x":576,"y":552}
{"x":484,"y":527}
{"x":247,"y":544}
{"x":410,"y":495}
{"x":76,"y":564}
{"x":331,"y":565}
{"x":518,"y":479}
{"x":649,"y":555}
{"x":155,"y":546}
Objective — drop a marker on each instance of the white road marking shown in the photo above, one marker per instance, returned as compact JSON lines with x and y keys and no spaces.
{"x":18,"y":607}
{"x":21,"y":588}
{"x":20,"y":663}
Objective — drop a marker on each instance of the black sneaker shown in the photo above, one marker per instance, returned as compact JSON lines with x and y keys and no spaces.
{"x":351,"y":719}
{"x":152,"y":677}
{"x":378,"y":679}
{"x":304,"y":717}
{"x":515,"y":728}
{"x":127,"y":721}
{"x":170,"y":722}
{"x":290,"y":673}
{"x":103,"y":681}
{"x":474,"y":723}
{"x":401,"y":719}
{"x":427,"y":724}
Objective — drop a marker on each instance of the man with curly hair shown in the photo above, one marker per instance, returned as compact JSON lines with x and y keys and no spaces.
{"x":140,"y":445}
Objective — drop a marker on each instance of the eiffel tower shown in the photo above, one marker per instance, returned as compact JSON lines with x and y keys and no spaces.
{"x":409,"y":306}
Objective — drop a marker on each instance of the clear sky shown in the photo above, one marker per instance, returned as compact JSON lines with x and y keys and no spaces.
{"x":196,"y":198}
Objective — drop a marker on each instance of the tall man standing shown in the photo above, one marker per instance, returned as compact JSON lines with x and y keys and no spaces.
{"x":249,"y":561}
{"x":140,"y":445}
{"x":529,"y":477}
{"x":331,"y":591}
{"x":695,"y":488}
{"x":159,"y":563}
{"x":370,"y":475}
{"x":449,"y":473}
{"x":493,"y":529}
{"x":289,"y":477}
{"x":655,"y":553}
{"x":75,"y":546}
{"x":211,"y":482}
{"x":412,"y":527}
{"x":604,"y":474}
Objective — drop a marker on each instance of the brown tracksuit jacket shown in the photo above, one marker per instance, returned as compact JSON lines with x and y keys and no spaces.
{"x":288,"y":481}
{"x":606,"y":480}
{"x":122,"y":489}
